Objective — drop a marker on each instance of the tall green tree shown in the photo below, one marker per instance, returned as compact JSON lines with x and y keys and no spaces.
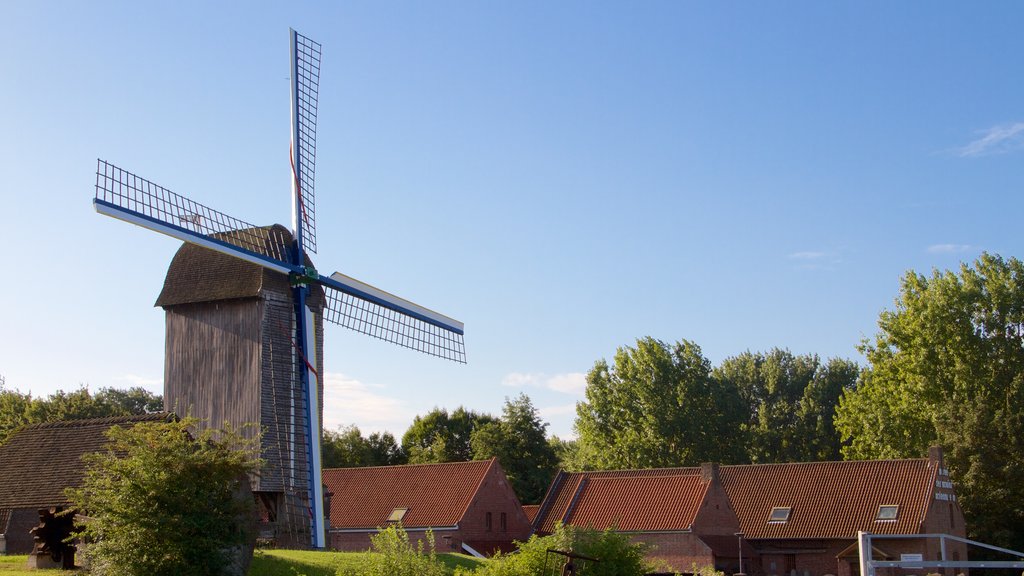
{"x":442,"y":437}
{"x":790,"y":402}
{"x":519,"y":440}
{"x":655,"y":406}
{"x":947,"y":367}
{"x":348,"y":448}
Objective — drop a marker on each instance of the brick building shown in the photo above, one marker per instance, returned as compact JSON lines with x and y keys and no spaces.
{"x":796,"y":519}
{"x":469,"y":506}
{"x":38,"y":463}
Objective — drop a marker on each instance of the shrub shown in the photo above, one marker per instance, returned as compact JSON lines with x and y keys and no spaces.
{"x":396,"y":555}
{"x":617,"y":554}
{"x":162,"y":502}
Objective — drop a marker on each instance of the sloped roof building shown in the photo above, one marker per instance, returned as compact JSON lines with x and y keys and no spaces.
{"x":38,"y":462}
{"x":469,"y":506}
{"x":796,"y":519}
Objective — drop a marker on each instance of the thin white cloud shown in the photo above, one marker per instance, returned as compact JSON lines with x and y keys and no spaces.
{"x":569,"y":383}
{"x":349,"y":401}
{"x":136,"y":380}
{"x":523,"y":380}
{"x":572,"y":383}
{"x":815,"y":260}
{"x":949,"y":248}
{"x":996,"y":140}
{"x":807,"y":255}
{"x":549,"y":411}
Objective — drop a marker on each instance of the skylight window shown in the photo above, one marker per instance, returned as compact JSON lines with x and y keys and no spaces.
{"x":887,"y":512}
{"x":397,"y":514}
{"x":779,"y":515}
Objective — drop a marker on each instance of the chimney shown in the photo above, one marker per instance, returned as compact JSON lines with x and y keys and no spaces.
{"x":935,"y":455}
{"x":709,"y":472}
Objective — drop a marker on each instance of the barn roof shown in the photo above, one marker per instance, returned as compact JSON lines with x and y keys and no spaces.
{"x":531,"y":511}
{"x":38,"y":462}
{"x":649,"y":499}
{"x":419,"y":495}
{"x":830,"y":499}
{"x":198,"y":274}
{"x":824,"y":499}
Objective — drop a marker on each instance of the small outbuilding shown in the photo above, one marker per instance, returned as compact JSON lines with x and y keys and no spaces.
{"x":469,"y":506}
{"x":38,"y":463}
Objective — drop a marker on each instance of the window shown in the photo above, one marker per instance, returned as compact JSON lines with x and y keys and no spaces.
{"x":887,"y":512}
{"x":397,"y":514}
{"x":779,"y":515}
{"x":487,"y":521}
{"x":504,"y":522}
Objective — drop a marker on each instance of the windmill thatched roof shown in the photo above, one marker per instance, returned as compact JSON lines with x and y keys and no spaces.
{"x":198,"y":274}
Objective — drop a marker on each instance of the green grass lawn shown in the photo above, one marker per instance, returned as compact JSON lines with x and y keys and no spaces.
{"x":274,"y":563}
{"x":18,"y":566}
{"x":312,"y":563}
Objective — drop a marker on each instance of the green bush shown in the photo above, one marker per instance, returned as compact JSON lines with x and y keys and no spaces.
{"x":161,"y":501}
{"x":617,"y":554}
{"x":396,"y":555}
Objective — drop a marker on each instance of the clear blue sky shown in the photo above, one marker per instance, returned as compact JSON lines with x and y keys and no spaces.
{"x":564,"y":177}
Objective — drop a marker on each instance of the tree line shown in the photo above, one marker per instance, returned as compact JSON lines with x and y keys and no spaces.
{"x":656,"y":405}
{"x":20,"y":409}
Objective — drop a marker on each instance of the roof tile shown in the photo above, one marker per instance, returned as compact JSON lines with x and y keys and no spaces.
{"x":435,"y":494}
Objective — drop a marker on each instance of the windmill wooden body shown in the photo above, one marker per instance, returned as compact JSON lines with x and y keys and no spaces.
{"x":245,"y":310}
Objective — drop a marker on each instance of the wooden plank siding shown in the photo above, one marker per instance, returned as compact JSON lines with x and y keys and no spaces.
{"x":212,"y":361}
{"x":234,"y":361}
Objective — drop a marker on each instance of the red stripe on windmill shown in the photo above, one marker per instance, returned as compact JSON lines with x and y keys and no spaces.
{"x":268,"y":253}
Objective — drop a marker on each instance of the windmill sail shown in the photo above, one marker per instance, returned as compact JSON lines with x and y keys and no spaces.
{"x":306,"y":76}
{"x":352,"y":304}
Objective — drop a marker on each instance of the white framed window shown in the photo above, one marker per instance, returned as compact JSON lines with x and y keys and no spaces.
{"x":887,"y":512}
{"x":779,"y":515}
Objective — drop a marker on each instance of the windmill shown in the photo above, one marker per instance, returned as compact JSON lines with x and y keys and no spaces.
{"x":283,"y":254}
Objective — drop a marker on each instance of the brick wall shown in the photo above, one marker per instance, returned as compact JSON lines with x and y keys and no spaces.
{"x":495,"y":497}
{"x":675,"y":552}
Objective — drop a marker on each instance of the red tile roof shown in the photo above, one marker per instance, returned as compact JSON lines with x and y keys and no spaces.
{"x":830,"y":499}
{"x":827,"y":499}
{"x":531,"y":511}
{"x":436,"y":495}
{"x":620,"y":497}
{"x":638,"y":504}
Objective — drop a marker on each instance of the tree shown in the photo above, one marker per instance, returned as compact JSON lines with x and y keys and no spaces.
{"x":164,"y":499}
{"x":13,"y":411}
{"x":519,"y":441}
{"x":348,"y":448}
{"x":106,"y":403}
{"x":947,"y":367}
{"x":658,"y":406}
{"x":442,"y":437}
{"x":17,"y":409}
{"x":790,"y":403}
